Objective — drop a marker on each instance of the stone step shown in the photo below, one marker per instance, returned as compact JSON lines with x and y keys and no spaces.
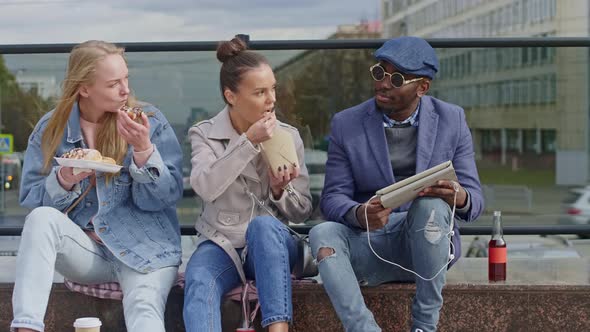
{"x":467,"y":307}
{"x":540,"y":295}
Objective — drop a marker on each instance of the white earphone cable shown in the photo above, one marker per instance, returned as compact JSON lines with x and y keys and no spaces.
{"x":449,"y":234}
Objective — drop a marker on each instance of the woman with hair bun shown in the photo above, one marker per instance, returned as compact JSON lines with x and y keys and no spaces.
{"x":245,"y":203}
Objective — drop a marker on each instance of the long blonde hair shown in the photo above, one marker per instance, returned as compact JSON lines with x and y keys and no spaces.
{"x":81,"y":68}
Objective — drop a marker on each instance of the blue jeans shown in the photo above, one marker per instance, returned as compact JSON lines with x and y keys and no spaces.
{"x":416,"y":240}
{"x":210,"y":273}
{"x":51,"y":241}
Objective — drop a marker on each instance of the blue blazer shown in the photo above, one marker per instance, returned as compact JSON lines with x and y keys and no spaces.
{"x":358,"y":158}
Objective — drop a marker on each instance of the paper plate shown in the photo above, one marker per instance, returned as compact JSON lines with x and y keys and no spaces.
{"x":87,"y":164}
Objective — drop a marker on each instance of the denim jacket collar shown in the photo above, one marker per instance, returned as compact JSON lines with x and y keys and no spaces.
{"x":74,"y":132}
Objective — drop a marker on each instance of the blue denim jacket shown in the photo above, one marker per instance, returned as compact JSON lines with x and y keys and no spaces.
{"x":134,"y":214}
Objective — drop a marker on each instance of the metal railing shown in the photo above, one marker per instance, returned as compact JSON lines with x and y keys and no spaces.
{"x":336,"y":44}
{"x":331,"y":44}
{"x":464,"y":230}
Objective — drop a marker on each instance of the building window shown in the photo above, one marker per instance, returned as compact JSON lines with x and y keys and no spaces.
{"x":512,"y":140}
{"x":506,"y":94}
{"x":499,"y":57}
{"x":530,"y":140}
{"x":527,"y":87}
{"x":544,"y":9}
{"x":524,"y":56}
{"x":526,"y":12}
{"x":534,"y":55}
{"x":552,"y":88}
{"x":534,"y":87}
{"x":544,"y":54}
{"x":552,"y":8}
{"x":548,"y":140}
{"x":516,"y":14}
{"x":544,"y":83}
{"x":490,"y":140}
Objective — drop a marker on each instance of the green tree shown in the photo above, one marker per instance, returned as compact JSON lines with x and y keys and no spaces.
{"x":20,"y":109}
{"x":317,"y":84}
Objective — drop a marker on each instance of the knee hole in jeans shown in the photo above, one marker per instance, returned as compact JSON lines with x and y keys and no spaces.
{"x":433,"y":232}
{"x":325,"y":252}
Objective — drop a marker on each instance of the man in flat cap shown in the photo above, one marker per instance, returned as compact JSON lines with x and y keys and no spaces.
{"x":398,"y":133}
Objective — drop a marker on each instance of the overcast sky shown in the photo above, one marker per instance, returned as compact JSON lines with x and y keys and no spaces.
{"x":67,"y":21}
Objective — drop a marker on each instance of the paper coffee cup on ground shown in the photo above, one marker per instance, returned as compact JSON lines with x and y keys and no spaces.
{"x":87,"y":324}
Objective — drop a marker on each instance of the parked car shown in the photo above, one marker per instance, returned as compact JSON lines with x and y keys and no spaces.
{"x":576,"y":208}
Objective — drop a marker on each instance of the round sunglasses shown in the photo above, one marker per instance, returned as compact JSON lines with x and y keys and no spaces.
{"x":397,"y":80}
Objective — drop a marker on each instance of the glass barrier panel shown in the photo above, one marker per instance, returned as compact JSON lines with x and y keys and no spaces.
{"x":525,"y":106}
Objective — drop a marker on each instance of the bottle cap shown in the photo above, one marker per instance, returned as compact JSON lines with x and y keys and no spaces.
{"x":87,"y":322}
{"x":497,"y":213}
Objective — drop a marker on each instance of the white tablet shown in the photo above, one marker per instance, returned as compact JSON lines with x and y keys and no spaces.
{"x":401,"y":192}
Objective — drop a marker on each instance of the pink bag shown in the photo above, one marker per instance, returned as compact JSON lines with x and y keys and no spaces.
{"x":243,"y":293}
{"x":246,"y":293}
{"x":112,"y":291}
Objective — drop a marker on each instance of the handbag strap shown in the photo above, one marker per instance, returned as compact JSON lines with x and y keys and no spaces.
{"x":248,"y":316}
{"x":261,"y":204}
{"x":81,"y":197}
{"x":221,"y":240}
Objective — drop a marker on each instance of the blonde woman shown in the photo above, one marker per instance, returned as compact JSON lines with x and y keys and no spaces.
{"x":119,"y":227}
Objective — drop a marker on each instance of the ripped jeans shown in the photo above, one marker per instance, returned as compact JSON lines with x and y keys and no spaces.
{"x":416,"y":240}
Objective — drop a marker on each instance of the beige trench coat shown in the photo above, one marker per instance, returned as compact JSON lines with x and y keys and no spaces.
{"x":224,"y":176}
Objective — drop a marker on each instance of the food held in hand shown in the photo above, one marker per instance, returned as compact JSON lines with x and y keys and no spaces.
{"x":87,"y":160}
{"x":133,"y":112}
{"x":109,"y":160}
{"x":88,"y":154}
{"x":85,"y":154}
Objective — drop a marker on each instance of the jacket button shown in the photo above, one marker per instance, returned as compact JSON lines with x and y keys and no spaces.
{"x":102,"y":229}
{"x":103,"y":203}
{"x":88,"y":204}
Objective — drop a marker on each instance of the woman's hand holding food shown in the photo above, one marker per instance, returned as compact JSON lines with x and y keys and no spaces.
{"x":262,"y":129}
{"x":134,"y":133}
{"x":69,"y":178}
{"x":284,"y":175}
